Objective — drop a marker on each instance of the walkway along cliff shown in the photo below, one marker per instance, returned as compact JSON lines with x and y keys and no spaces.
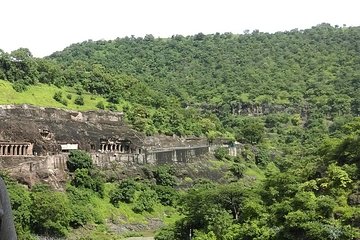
{"x":33,"y":139}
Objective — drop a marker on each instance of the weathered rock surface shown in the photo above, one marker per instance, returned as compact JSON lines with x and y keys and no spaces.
{"x":34,"y":142}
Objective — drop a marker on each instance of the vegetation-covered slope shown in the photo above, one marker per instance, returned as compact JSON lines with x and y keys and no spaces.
{"x":42,"y":95}
{"x":291,"y":98}
{"x":316,"y":68}
{"x":195,"y":84}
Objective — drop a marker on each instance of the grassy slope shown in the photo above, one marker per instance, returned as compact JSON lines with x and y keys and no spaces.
{"x":42,"y":95}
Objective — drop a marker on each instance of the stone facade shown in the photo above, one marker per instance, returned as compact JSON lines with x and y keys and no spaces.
{"x":33,"y":138}
{"x":15,"y":149}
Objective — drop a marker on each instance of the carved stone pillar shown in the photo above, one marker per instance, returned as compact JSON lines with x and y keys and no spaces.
{"x":14,"y":149}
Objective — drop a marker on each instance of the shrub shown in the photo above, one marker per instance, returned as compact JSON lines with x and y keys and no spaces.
{"x":113,"y":98}
{"x":50,"y":212}
{"x":83,"y":178}
{"x":238,"y":169}
{"x":112,"y":107}
{"x":58,"y":96}
{"x":125,"y":192}
{"x":166,"y":195}
{"x":100,"y":105}
{"x":221,"y":153}
{"x":79,"y":159}
{"x":145,"y":201}
{"x":19,"y":86}
{"x":21,"y":204}
{"x":82,"y":210}
{"x":164,"y":176}
{"x":79,"y":100}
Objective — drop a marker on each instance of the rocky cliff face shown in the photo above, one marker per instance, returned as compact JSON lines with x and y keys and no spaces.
{"x":34,"y":142}
{"x":45,"y":131}
{"x":48,"y":128}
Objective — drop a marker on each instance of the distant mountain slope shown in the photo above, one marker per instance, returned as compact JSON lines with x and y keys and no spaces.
{"x":208,"y":84}
{"x":317,"y":67}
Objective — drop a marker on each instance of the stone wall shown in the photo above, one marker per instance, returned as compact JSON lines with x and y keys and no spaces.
{"x":31,"y":140}
{"x":175,"y":155}
{"x":106,"y":159}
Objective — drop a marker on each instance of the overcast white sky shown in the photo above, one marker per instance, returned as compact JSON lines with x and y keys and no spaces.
{"x":46,"y":26}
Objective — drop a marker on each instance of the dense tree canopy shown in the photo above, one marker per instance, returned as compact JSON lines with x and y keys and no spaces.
{"x":167,"y":85}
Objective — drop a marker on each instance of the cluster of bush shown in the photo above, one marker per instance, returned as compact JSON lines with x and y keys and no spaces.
{"x":58,"y":96}
{"x":145,"y":194}
{"x":43,"y":211}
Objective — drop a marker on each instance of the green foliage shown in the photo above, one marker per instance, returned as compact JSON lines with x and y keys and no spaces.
{"x":221,"y":153}
{"x":21,"y":205}
{"x":100,"y":105}
{"x":124,"y":192}
{"x":145,"y":201}
{"x":112,"y":107}
{"x":50,"y":212}
{"x":79,"y":160}
{"x":164,"y":175}
{"x":238,"y":169}
{"x":19,"y":86}
{"x":59,"y":98}
{"x":113,"y":98}
{"x":82,"y":210}
{"x":291,"y":98}
{"x":204,"y":236}
{"x":166,"y":195}
{"x":84,"y":178}
{"x":166,"y":233}
{"x":250,"y":132}
{"x":79,"y":100}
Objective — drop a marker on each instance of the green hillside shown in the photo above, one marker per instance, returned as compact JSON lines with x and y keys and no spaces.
{"x":291,"y":99}
{"x":42,"y":95}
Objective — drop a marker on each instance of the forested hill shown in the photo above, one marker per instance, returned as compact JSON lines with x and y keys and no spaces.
{"x":199,"y":85}
{"x":292,"y":99}
{"x":317,"y":67}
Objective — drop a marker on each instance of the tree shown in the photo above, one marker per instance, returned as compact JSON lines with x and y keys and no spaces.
{"x":164,"y":175}
{"x":83,"y":211}
{"x":166,"y":195}
{"x":221,"y":153}
{"x":50,"y":212}
{"x":78,"y":160}
{"x":145,"y":201}
{"x":251,"y":132}
{"x":85,"y":179}
{"x":124,"y":192}
{"x":21,"y":205}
